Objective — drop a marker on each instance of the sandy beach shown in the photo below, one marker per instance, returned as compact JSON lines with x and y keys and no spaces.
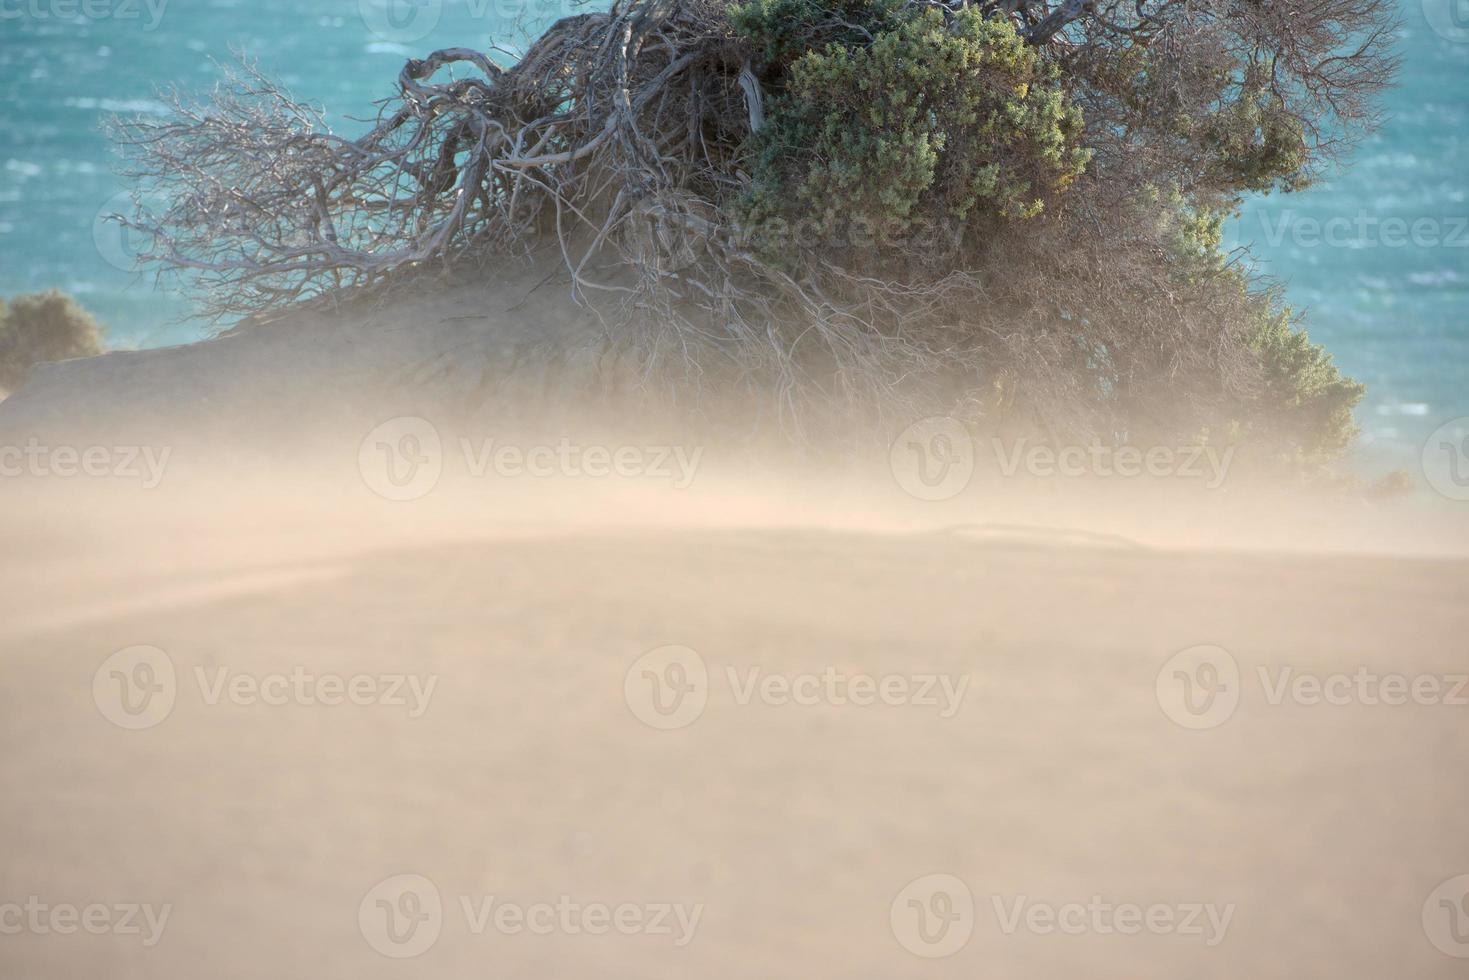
{"x":381,"y":746}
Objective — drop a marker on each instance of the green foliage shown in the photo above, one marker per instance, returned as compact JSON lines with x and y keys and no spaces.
{"x":1257,"y":145}
{"x":933,"y":123}
{"x":1190,"y":234}
{"x":1298,"y":410}
{"x":1304,"y":406}
{"x":38,"y":327}
{"x":786,"y":29}
{"x":1217,"y":115}
{"x":908,"y":119}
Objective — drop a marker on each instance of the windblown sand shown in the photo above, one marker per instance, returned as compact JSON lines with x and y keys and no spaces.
{"x":1316,"y":834}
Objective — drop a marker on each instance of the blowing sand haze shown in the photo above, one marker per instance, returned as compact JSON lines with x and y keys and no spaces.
{"x":758,"y":490}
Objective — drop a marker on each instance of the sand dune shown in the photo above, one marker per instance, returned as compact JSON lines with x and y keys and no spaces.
{"x":1029,"y":795}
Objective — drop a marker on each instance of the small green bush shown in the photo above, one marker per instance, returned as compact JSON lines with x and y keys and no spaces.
{"x":37,"y":327}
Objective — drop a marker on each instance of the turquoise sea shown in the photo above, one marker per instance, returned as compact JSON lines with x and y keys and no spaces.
{"x":1378,"y":253}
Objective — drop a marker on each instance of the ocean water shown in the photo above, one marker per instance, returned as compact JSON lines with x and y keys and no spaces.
{"x":1378,"y":253}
